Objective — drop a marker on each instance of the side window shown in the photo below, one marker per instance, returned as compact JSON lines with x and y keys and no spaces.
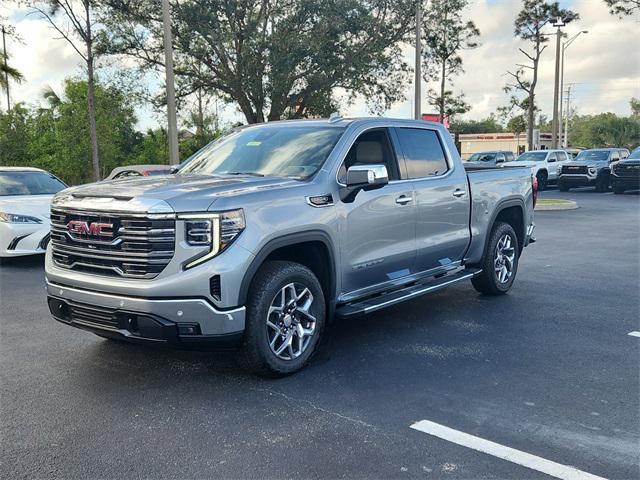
{"x":510,"y":157}
{"x":615,"y":156}
{"x":552,"y":157}
{"x":371,"y":148}
{"x":500,"y":158}
{"x":424,"y":155}
{"x":562,"y":156}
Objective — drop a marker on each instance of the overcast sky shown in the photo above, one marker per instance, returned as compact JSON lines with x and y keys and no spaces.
{"x":603,"y":65}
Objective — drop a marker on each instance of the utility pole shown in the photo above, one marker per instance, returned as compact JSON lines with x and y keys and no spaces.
{"x":566,"y":117}
{"x":565,"y":45}
{"x":6,"y":70}
{"x":174,"y":158}
{"x":417,"y":109}
{"x":556,"y":82}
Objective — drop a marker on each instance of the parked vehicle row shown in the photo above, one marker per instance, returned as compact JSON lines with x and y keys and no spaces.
{"x":545,"y":164}
{"x":601,"y":168}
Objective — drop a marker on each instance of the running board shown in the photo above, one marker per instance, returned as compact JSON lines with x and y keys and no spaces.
{"x":372,"y":304}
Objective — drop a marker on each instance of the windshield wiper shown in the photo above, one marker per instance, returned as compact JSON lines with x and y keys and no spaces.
{"x":253,"y":174}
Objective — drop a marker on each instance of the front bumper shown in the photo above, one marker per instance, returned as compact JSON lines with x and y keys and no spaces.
{"x":580,"y":180}
{"x":19,"y":239}
{"x":177,"y":322}
{"x":626,"y":182}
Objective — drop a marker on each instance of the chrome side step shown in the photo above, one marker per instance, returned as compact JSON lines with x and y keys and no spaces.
{"x":362,"y":307}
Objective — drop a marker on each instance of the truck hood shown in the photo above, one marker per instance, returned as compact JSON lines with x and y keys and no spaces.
{"x":183,"y":193}
{"x":33,"y":205}
{"x":588,"y":164}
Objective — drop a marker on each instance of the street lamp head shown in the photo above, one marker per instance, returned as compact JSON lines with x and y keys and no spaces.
{"x":559,"y":22}
{"x":584,"y":31}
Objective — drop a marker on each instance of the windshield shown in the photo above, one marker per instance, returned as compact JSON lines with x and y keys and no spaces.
{"x":29,"y":183}
{"x":482,"y":157}
{"x":282,"y":151}
{"x":532,"y":157}
{"x":597,"y":155}
{"x":635,"y":154}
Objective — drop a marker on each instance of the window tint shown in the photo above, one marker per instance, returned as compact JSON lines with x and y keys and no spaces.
{"x":423,"y":152}
{"x":18,"y":182}
{"x":552,"y":157}
{"x":561,"y":156}
{"x":510,"y":157}
{"x":370,"y":148}
{"x":615,"y":156}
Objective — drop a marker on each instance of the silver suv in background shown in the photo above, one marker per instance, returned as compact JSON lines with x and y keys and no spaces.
{"x":266,"y":235}
{"x":546,"y":164}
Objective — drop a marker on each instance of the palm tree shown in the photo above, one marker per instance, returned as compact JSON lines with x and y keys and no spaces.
{"x":8,"y":72}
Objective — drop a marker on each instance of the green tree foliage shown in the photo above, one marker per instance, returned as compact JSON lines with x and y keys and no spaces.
{"x":530,"y":22}
{"x":446,"y":35}
{"x":604,"y":130}
{"x":57,"y":138}
{"x":274,"y":59}
{"x":487,"y":125}
{"x":634,"y":103}
{"x":623,"y":7}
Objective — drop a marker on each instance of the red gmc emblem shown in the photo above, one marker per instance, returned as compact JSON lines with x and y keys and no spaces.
{"x":94,"y":229}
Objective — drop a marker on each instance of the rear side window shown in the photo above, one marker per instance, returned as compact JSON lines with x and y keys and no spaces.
{"x":423,"y":152}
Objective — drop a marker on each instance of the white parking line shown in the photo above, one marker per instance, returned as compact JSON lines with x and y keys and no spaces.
{"x":634,"y":334}
{"x":506,"y":453}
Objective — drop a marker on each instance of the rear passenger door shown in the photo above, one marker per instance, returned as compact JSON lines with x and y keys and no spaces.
{"x":442,"y":198}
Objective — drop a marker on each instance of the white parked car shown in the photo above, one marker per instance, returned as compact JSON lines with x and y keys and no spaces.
{"x":546,"y":164}
{"x":25,"y":198}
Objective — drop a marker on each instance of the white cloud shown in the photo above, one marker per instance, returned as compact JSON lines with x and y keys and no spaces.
{"x":604,"y":64}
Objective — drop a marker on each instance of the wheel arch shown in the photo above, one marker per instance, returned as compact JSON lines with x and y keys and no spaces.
{"x":313,"y":249}
{"x":511,"y":211}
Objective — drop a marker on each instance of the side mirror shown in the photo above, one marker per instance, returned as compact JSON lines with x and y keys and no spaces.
{"x":500,"y":160}
{"x":363,"y":177}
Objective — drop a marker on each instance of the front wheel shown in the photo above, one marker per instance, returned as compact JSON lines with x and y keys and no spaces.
{"x":500,"y":263}
{"x":285,"y":318}
{"x":602,"y":183}
{"x":542,"y":181}
{"x":562,"y":186}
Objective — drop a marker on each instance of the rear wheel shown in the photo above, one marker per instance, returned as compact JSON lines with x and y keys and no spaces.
{"x":542,"y":181}
{"x":500,"y":263}
{"x":285,"y":318}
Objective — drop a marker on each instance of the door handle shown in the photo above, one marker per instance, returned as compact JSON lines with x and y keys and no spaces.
{"x":403,"y":200}
{"x":459,"y":193}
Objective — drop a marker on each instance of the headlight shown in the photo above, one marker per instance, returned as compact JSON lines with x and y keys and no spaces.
{"x":216,"y":231}
{"x":17,"y":218}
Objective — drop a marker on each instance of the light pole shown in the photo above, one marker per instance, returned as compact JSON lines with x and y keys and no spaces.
{"x":6,"y":70}
{"x":565,"y":45}
{"x":556,"y":81}
{"x":174,"y":158}
{"x":417,"y":108}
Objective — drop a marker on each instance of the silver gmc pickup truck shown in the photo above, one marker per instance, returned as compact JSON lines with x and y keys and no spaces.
{"x":270,"y":232}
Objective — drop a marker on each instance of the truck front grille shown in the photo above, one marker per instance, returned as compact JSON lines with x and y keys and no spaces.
{"x":627,"y":170}
{"x":124,"y":245}
{"x":574,"y":169}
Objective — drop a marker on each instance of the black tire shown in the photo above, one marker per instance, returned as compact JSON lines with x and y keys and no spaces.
{"x":266,"y":286}
{"x":602,"y":183}
{"x":542,"y":181}
{"x":562,"y":186}
{"x":488,"y":282}
{"x":618,"y":190}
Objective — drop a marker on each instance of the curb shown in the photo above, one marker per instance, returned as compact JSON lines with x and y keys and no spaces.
{"x":556,"y":206}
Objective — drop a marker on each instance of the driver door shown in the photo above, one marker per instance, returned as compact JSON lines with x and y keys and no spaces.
{"x":378,"y":228}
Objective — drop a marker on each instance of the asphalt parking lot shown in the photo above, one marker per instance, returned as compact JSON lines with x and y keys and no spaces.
{"x":549,"y":369}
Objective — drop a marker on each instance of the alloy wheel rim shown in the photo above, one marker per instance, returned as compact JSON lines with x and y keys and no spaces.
{"x":290,"y":323}
{"x":504,"y":259}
